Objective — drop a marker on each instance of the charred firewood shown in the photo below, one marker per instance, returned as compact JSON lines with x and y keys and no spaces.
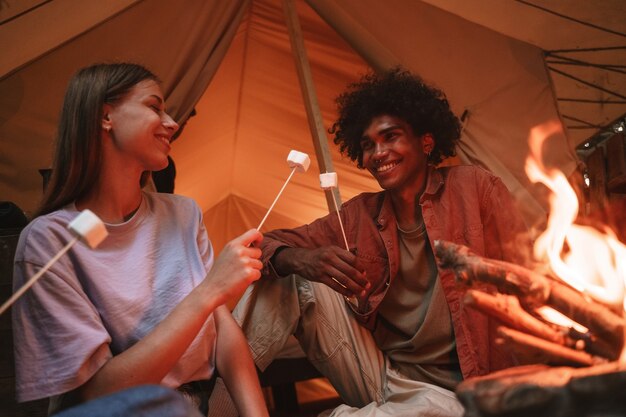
{"x":529,"y":349}
{"x":534,"y":290}
{"x":543,"y":391}
{"x":508,"y":310}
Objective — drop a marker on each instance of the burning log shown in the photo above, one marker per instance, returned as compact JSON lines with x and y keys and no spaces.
{"x":546,"y":391}
{"x":509,"y":311}
{"x":533,"y":290}
{"x":530,"y":349}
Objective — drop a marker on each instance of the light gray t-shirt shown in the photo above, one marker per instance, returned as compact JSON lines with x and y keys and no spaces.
{"x":93,"y":304}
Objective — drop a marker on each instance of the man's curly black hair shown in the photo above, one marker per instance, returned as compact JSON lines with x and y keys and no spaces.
{"x":395,"y":93}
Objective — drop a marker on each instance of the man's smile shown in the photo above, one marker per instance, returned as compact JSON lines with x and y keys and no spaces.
{"x":387,"y":166}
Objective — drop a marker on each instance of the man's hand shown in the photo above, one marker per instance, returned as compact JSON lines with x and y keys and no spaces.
{"x":329,"y":265}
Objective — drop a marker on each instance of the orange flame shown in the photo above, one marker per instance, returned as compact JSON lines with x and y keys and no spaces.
{"x":593,"y":262}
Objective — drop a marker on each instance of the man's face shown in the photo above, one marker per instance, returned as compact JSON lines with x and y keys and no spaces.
{"x":394,"y":155}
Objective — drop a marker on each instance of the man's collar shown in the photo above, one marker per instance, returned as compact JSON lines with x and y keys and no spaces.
{"x":386,"y":214}
{"x":434,"y":183}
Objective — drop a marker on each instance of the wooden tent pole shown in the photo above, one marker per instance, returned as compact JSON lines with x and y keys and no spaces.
{"x":314,"y":116}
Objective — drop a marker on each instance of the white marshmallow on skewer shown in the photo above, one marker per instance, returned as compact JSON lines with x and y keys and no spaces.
{"x":86,"y":227}
{"x":297,"y":161}
{"x":328,"y":180}
{"x":89,"y":228}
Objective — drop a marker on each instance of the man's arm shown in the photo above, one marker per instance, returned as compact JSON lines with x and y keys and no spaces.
{"x":236,"y":367}
{"x":315,"y":252}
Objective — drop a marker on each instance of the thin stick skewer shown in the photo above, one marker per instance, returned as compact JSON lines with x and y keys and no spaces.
{"x":340,"y":223}
{"x":328,"y":181}
{"x":35,"y":277}
{"x":276,"y":199}
{"x":86,"y":226}
{"x":344,"y":236}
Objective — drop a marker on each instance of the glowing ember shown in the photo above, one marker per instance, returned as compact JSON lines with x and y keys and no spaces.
{"x":555,"y":317}
{"x":592,"y":261}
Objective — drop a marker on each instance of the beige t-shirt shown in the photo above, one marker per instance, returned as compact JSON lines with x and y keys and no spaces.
{"x":414,"y":326}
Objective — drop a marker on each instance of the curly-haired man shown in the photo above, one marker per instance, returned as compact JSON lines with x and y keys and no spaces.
{"x":381,"y":321}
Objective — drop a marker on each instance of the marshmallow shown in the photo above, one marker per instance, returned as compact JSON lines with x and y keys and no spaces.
{"x":328,"y":180}
{"x":89,"y":228}
{"x":298,"y":160}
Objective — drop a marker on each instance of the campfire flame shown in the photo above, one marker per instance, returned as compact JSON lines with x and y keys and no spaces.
{"x":592,"y":261}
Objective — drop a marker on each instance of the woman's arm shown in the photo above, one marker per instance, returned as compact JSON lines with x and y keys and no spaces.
{"x":151,"y":359}
{"x":236,"y":367}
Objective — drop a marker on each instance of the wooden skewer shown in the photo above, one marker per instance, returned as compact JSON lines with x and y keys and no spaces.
{"x":276,"y":199}
{"x":340,"y":222}
{"x":35,"y":277}
{"x":345,"y":241}
{"x":536,"y":350}
{"x":86,"y":226}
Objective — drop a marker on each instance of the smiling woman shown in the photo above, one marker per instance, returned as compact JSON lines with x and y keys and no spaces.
{"x":147,"y":306}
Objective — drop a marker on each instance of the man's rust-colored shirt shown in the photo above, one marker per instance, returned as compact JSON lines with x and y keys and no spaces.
{"x":462,"y":204}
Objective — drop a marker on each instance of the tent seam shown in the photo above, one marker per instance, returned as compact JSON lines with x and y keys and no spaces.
{"x":241,"y":87}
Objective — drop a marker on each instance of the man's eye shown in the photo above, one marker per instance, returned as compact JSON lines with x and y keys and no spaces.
{"x":365,"y":145}
{"x":156,"y":108}
{"x":390,"y":135}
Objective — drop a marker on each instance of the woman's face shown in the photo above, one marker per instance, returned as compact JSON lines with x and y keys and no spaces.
{"x":140,"y":129}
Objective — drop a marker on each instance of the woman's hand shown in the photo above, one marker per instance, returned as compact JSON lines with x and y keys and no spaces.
{"x":236,"y":267}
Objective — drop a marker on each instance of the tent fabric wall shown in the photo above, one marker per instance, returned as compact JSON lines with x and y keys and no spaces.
{"x":232,"y":61}
{"x":184,"y":58}
{"x":24,"y":20}
{"x":500,"y":84}
{"x":252,"y":114}
{"x":571,"y":33}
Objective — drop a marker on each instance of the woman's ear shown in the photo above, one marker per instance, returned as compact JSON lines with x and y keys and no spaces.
{"x":106,"y":119}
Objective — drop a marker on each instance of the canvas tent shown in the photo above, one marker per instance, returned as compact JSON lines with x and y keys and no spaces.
{"x":232,"y":62}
